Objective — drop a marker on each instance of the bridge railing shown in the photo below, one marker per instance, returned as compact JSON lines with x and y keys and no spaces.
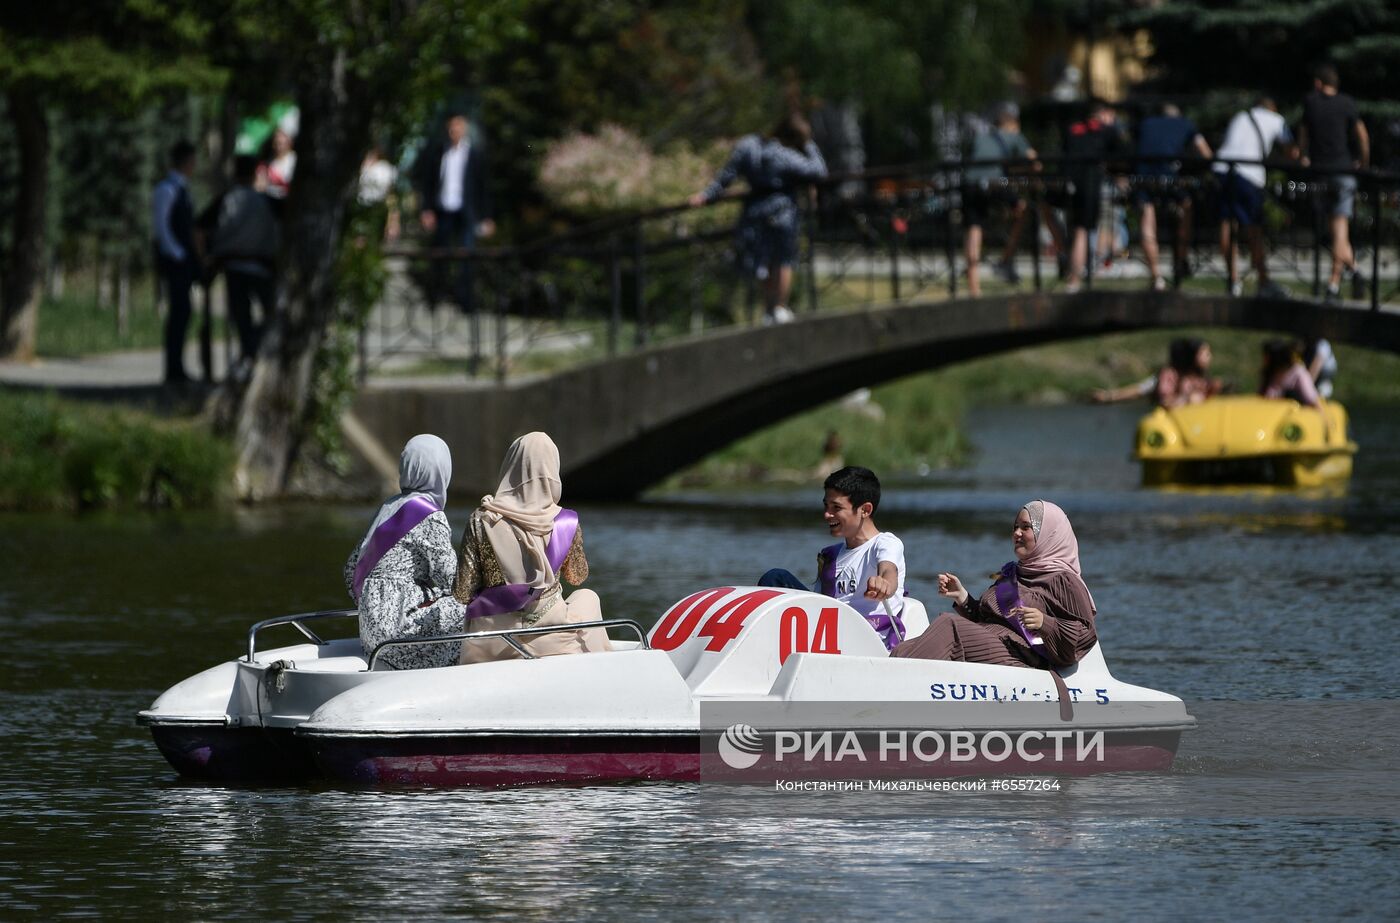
{"x":881,"y":236}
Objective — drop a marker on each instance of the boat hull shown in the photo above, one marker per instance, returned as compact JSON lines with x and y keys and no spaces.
{"x":508,"y":760}
{"x":233,"y":754}
{"x":1276,"y":470}
{"x":1242,"y":439}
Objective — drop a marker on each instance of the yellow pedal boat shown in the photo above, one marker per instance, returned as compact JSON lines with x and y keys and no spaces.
{"x":1241,"y":439}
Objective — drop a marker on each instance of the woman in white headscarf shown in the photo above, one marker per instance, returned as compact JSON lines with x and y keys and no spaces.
{"x":400,"y":575}
{"x":518,"y":547}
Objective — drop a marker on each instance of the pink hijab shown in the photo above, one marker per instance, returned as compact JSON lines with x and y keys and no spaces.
{"x":1056,"y":548}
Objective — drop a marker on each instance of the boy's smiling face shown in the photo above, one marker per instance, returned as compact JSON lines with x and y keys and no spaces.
{"x":842,"y":519}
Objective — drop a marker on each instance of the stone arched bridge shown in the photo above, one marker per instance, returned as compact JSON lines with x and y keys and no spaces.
{"x":625,"y":423}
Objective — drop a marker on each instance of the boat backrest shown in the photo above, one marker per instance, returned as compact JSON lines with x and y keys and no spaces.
{"x":915,"y":618}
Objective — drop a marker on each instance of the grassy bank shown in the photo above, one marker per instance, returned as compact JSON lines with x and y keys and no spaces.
{"x":56,"y":454}
{"x":77,"y":324}
{"x":915,"y":424}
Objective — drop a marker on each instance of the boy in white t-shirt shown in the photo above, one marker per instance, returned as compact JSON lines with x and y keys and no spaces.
{"x":866,"y":568}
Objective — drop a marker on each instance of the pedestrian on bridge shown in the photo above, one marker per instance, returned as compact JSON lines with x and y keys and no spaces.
{"x":1251,"y":135}
{"x":995,"y":153}
{"x":172,"y":221}
{"x":1334,"y":138}
{"x":775,"y":168}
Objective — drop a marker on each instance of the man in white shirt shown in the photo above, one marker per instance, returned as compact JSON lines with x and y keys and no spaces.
{"x":455,"y":203}
{"x":1251,"y":135}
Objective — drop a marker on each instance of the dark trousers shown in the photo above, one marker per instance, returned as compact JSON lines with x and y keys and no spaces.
{"x":778,"y":577}
{"x":178,"y":278}
{"x":243,"y":287}
{"x":455,"y":229}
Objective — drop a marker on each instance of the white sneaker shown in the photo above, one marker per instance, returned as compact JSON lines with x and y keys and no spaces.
{"x":1159,"y":284}
{"x":1236,"y":289}
{"x":782,"y":314}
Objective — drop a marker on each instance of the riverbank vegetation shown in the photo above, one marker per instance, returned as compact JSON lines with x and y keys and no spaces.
{"x":57,"y":454}
{"x":61,"y":455}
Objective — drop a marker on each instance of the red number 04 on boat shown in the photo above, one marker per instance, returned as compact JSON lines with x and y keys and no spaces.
{"x":794,"y":638}
{"x":722,"y":626}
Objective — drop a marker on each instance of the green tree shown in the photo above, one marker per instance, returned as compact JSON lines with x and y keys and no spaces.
{"x":75,"y":57}
{"x":892,"y":60}
{"x":667,"y":70}
{"x":1245,"y":47}
{"x":352,"y":68}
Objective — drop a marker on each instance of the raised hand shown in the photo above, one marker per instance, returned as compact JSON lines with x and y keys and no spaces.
{"x":878,"y":587}
{"x":950,"y":587}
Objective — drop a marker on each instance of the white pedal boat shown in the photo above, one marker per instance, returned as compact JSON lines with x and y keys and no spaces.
{"x":324,"y":710}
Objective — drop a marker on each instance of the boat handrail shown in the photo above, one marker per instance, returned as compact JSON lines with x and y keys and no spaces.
{"x":508,"y":635}
{"x":296,"y":622}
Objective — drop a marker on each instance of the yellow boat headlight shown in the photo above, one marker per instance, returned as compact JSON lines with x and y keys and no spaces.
{"x":1292,"y":432}
{"x":1154,"y":439}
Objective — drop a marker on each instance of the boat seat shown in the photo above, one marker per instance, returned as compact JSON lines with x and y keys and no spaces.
{"x":333,"y":665}
{"x":1091,"y":662}
{"x":915,"y":618}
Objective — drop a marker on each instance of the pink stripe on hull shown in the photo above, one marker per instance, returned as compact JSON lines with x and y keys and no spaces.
{"x":394,"y":762}
{"x":497,"y":769}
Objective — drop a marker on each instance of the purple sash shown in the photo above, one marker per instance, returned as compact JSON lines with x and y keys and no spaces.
{"x":388,"y":534}
{"x":826,"y":568}
{"x":880,"y":620}
{"x":514,"y":597}
{"x":1008,"y":598}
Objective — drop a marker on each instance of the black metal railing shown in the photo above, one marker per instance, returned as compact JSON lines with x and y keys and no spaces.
{"x":887,"y":235}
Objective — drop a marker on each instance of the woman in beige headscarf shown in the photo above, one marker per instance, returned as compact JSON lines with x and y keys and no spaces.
{"x":506,"y":550}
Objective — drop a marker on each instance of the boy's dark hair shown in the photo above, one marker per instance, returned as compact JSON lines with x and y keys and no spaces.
{"x":1326,"y":75}
{"x":245,"y":168}
{"x":181,"y":153}
{"x":859,"y":484}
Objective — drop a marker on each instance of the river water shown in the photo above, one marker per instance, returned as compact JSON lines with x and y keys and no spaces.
{"x":1282,"y":600}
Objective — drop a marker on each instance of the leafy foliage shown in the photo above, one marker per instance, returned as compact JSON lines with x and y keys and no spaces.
{"x":1270,"y":46}
{"x":58,"y":455}
{"x":893,"y":59}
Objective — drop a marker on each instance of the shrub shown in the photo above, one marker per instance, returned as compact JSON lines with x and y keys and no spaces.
{"x":59,"y":455}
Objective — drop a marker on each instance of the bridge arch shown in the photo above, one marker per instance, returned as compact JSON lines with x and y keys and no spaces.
{"x":623,"y":424}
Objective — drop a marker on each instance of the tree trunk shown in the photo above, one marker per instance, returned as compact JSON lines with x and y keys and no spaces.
{"x":24,"y":267}
{"x":56,"y":277}
{"x":123,"y":295}
{"x":103,"y":278}
{"x":271,"y":413}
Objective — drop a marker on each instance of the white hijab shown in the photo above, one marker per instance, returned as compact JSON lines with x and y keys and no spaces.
{"x":519,"y":516}
{"x":425,"y":470}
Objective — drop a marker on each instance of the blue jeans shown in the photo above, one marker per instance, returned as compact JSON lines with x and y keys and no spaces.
{"x":778,"y":577}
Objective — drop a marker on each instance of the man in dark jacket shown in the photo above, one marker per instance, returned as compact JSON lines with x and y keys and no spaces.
{"x":1088,"y":145}
{"x":454,"y":200}
{"x":172,"y":214}
{"x":242,"y":234}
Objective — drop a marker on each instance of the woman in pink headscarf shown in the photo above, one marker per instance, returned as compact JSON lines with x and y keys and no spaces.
{"x":1037,"y":612}
{"x":519,"y":547}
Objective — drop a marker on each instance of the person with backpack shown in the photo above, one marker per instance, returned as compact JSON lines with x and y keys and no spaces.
{"x":1251,"y":135}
